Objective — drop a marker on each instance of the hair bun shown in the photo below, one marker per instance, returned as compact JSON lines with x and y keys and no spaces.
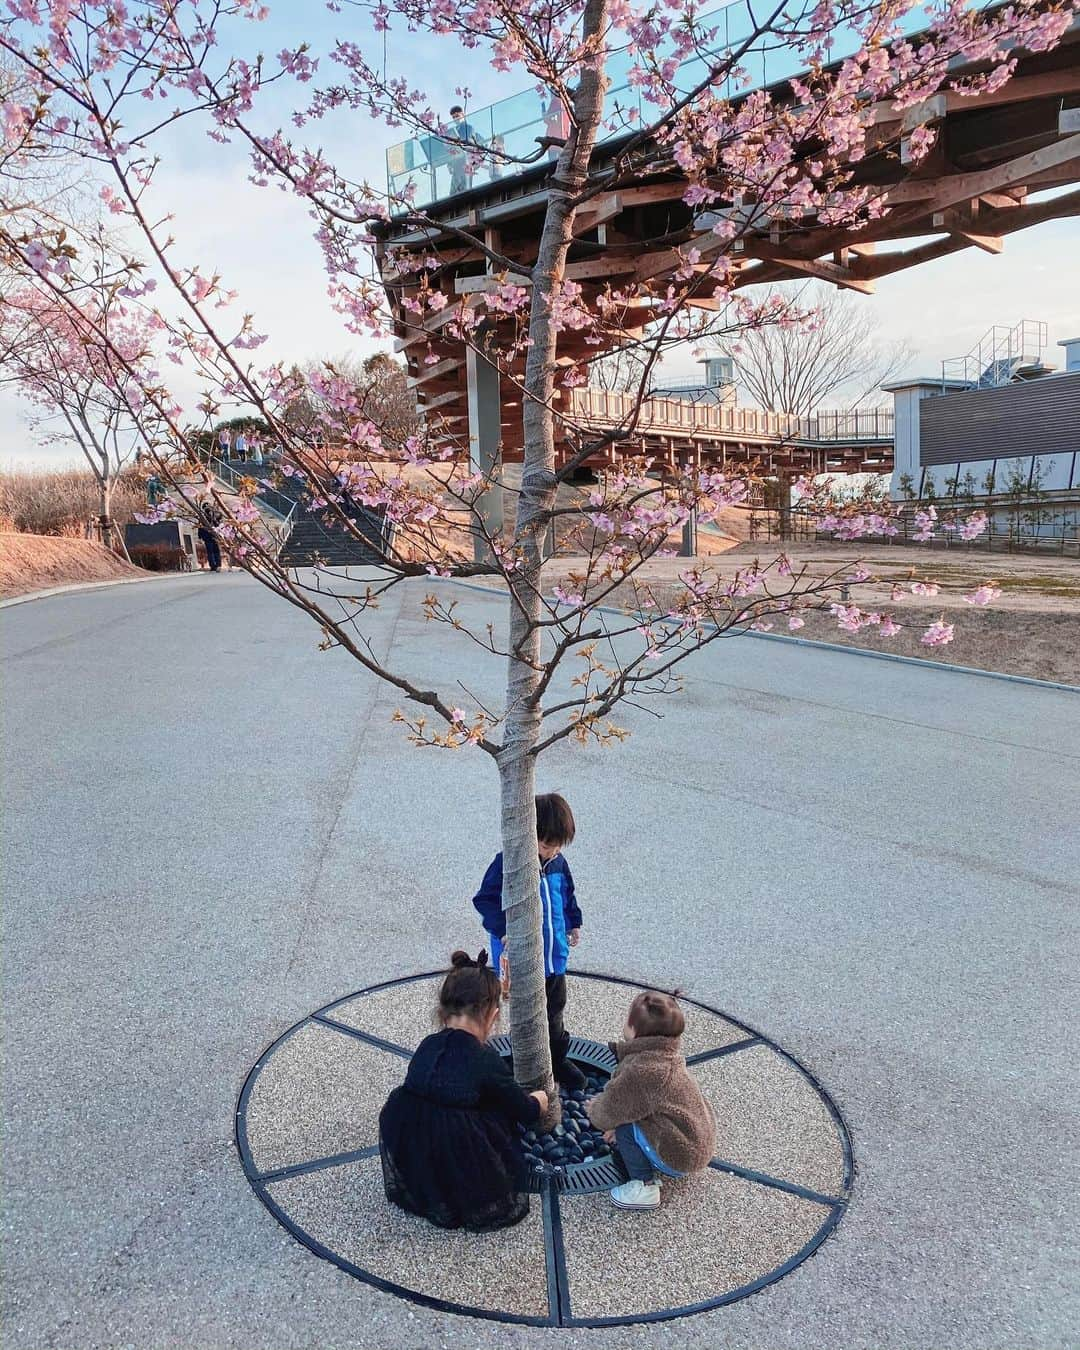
{"x":463,"y":961}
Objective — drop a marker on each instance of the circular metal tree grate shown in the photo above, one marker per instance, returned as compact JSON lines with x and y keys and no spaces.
{"x":306,"y":1130}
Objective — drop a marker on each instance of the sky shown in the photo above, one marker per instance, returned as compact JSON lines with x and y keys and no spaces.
{"x":260,"y":239}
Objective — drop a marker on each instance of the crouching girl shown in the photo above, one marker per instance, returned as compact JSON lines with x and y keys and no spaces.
{"x":450,"y":1152}
{"x":652,"y":1111}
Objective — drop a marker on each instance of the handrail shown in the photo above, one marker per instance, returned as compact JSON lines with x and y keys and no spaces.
{"x":408,"y":162}
{"x":675,"y":414}
{"x":225,"y":471}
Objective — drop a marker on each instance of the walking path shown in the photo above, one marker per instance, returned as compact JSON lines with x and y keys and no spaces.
{"x":211,"y":829}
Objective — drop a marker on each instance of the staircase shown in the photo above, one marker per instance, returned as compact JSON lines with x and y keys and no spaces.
{"x":313,"y":541}
{"x":1001,"y":356}
{"x":306,"y":539}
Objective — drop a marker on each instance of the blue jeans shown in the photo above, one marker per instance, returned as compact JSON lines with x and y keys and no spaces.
{"x":639,"y":1157}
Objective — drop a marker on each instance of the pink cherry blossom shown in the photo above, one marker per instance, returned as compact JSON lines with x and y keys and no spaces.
{"x":938,"y":634}
{"x":983,"y":595}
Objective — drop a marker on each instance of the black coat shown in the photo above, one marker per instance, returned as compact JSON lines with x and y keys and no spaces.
{"x":449,"y":1148}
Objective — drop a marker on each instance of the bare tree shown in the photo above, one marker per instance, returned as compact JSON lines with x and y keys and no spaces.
{"x":823,"y":342}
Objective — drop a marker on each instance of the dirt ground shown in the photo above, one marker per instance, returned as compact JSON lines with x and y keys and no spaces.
{"x":1032,"y":629}
{"x":34,"y":562}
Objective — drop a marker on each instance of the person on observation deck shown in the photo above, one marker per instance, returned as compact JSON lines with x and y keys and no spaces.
{"x":461,"y":173}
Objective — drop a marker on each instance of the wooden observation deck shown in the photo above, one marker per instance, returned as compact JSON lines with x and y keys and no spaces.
{"x":995,"y":154}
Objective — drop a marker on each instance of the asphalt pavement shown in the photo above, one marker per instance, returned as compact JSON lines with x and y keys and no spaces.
{"x":211,"y":829}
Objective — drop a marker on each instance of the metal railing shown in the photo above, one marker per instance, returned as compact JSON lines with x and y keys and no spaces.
{"x":856,"y":424}
{"x":997,"y":356}
{"x":659,"y":414}
{"x":277,"y":503}
{"x":1024,"y":528}
{"x":667,"y":386}
{"x":457,"y":155}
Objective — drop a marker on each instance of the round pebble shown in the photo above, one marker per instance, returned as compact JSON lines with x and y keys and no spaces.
{"x":572,"y":1142}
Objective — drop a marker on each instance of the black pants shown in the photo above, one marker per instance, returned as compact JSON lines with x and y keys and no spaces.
{"x":213,"y":558}
{"x":556,"y":1006}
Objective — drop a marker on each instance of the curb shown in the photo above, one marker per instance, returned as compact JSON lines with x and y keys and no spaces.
{"x":837,"y":647}
{"x":93,"y":586}
{"x":917,"y":661}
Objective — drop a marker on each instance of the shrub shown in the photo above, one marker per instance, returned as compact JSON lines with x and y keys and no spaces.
{"x":159,"y":557}
{"x":63,"y":501}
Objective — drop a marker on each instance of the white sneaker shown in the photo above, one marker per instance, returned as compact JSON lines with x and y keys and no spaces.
{"x":636,"y":1195}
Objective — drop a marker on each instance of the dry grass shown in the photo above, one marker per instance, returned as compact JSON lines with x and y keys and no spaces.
{"x":62,"y":501}
{"x":30,"y":562}
{"x":1033,"y":629}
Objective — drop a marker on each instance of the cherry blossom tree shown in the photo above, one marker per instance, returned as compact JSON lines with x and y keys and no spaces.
{"x":75,"y":363}
{"x":111,"y":81}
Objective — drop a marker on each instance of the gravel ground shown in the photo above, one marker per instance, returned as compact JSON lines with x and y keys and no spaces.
{"x":403,"y":1015}
{"x":346,"y":1210}
{"x":318,"y":1094}
{"x":875,"y":864}
{"x":770,"y":1119}
{"x":594,"y":1010}
{"x":713,"y":1233}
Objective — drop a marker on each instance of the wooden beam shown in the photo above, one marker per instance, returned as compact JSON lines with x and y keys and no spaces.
{"x":989,"y":243}
{"x":936,"y":194}
{"x":402,"y":344}
{"x":1020,"y":89}
{"x":813,"y":267}
{"x":477,"y":286}
{"x":435,"y":372}
{"x":597,"y":213}
{"x":585,"y":269}
{"x":455,"y":396}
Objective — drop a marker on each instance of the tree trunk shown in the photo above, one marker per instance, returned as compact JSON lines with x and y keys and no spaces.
{"x":517,"y":764}
{"x":106,"y":511}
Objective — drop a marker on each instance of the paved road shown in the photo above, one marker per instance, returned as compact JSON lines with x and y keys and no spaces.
{"x":211,"y":829}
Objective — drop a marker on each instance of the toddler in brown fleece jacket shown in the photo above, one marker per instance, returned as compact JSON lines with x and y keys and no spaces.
{"x":652,"y":1111}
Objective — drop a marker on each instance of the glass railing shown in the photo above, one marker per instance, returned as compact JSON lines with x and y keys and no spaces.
{"x":465,"y":152}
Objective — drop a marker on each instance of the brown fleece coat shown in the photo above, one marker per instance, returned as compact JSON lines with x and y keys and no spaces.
{"x":652,"y":1088}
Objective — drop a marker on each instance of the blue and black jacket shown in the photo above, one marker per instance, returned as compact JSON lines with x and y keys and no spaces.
{"x":557,"y":901}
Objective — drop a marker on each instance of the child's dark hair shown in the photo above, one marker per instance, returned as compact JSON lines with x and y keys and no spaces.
{"x":656,"y":1014}
{"x":470,"y":990}
{"x":554,"y":820}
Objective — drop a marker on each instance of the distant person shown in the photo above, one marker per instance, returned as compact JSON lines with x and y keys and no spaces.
{"x":556,"y":124}
{"x":255,"y":450}
{"x":448,"y":1136}
{"x":498,"y":144}
{"x":155,"y":490}
{"x":224,"y":441}
{"x":461,"y":173}
{"x":241,"y":447}
{"x":212,"y":517}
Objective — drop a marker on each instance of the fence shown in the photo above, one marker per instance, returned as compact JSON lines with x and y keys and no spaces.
{"x":1027,"y":529}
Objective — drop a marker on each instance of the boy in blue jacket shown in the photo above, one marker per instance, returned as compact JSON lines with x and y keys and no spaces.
{"x":562,"y":921}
